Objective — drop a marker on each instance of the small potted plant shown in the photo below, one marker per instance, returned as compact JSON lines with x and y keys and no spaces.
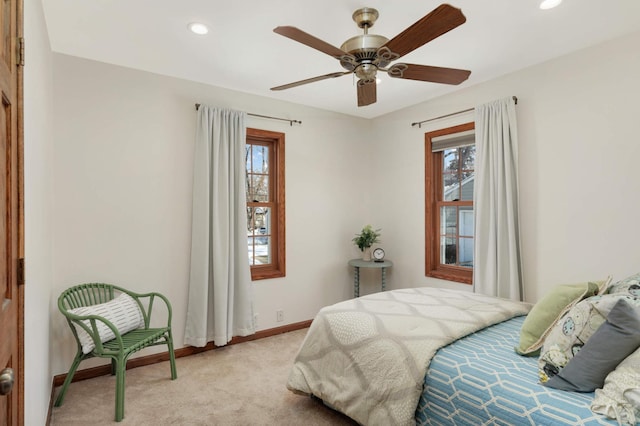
{"x":365,"y":239}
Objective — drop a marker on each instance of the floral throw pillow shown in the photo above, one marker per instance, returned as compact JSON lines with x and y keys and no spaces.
{"x":573,"y":330}
{"x":614,"y":340}
{"x":629,"y":286}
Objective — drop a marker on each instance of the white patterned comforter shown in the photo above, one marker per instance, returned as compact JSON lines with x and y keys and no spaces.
{"x":367,"y":357}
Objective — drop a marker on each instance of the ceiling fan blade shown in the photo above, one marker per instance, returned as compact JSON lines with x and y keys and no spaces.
{"x":307,"y":39}
{"x":442,"y":19}
{"x":428,"y":73}
{"x":311,"y":80}
{"x":367,"y":93}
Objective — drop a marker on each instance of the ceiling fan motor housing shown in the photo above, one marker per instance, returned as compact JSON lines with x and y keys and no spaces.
{"x":364,"y":47}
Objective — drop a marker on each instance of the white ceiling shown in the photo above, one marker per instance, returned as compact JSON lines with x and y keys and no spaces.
{"x":241,"y":51}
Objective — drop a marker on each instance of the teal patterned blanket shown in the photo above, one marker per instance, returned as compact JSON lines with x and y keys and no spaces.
{"x":480,"y":380}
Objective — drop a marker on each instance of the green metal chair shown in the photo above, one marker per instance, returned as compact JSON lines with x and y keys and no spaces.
{"x":123,"y":345}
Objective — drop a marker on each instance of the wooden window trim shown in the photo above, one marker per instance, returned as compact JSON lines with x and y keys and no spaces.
{"x":277,"y":268}
{"x":433,"y":195}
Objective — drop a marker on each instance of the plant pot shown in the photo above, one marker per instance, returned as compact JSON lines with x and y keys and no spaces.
{"x":366,"y":254}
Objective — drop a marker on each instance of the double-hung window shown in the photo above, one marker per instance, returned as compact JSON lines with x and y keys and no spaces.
{"x":449,"y":180}
{"x":265,"y":203}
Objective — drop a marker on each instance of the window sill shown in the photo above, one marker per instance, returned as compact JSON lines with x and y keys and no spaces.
{"x":452,"y":274}
{"x":261,"y":273}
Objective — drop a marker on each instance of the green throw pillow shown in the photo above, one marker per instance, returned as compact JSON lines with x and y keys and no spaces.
{"x":547,"y":311}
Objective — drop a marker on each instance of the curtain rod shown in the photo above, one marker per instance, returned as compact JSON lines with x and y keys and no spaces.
{"x":268,"y":117}
{"x":420,"y":123}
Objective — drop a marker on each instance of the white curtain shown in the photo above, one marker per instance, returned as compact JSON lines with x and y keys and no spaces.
{"x":220,"y":300}
{"x":497,"y":268}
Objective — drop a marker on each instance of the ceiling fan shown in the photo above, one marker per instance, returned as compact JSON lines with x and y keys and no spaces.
{"x":366,"y":54}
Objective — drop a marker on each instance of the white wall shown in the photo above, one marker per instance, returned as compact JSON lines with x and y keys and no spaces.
{"x":123,"y":178}
{"x":38,"y":148}
{"x":579,"y":151}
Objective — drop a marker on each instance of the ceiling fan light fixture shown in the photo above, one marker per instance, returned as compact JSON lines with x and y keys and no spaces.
{"x":549,"y":4}
{"x":198,"y":28}
{"x":366,"y":72}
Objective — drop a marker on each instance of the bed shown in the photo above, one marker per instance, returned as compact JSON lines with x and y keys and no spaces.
{"x":430,"y":356}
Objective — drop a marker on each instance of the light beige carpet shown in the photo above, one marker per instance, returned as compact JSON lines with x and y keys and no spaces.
{"x":242,"y":384}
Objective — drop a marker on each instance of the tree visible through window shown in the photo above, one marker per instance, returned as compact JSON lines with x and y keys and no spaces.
{"x":264,"y":157}
{"x":450,"y":175}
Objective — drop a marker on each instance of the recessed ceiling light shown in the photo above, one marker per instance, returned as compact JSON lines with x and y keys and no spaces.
{"x":549,"y":4}
{"x":198,"y":28}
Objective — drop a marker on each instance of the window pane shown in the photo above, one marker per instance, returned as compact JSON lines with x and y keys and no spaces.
{"x":250,"y":247}
{"x":257,"y":169}
{"x":259,"y":188}
{"x":247,"y":157}
{"x":450,"y":176}
{"x":450,"y":160}
{"x":259,"y":235}
{"x":258,"y":221}
{"x":468,"y":156}
{"x":451,"y":189}
{"x":262,"y":222}
{"x":259,"y":250}
{"x":448,"y":220}
{"x":250,"y":221}
{"x":448,"y":250}
{"x":467,"y":188}
{"x":260,"y":158}
{"x":466,"y":221}
{"x":466,"y":252}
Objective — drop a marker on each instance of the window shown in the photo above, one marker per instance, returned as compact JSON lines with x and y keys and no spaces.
{"x":265,"y":203}
{"x":449,"y":180}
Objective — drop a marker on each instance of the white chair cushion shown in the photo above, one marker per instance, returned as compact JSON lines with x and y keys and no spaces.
{"x":123,"y":312}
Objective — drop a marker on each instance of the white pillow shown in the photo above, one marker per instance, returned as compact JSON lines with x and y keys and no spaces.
{"x":619,"y":398}
{"x":123,"y":312}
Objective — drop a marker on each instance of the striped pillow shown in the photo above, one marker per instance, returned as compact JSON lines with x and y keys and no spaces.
{"x":123,"y":312}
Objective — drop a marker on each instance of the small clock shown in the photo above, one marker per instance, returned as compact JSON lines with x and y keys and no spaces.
{"x":378,"y":255}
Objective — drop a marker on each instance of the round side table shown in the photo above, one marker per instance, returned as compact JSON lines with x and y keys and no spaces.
{"x":359,"y":263}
